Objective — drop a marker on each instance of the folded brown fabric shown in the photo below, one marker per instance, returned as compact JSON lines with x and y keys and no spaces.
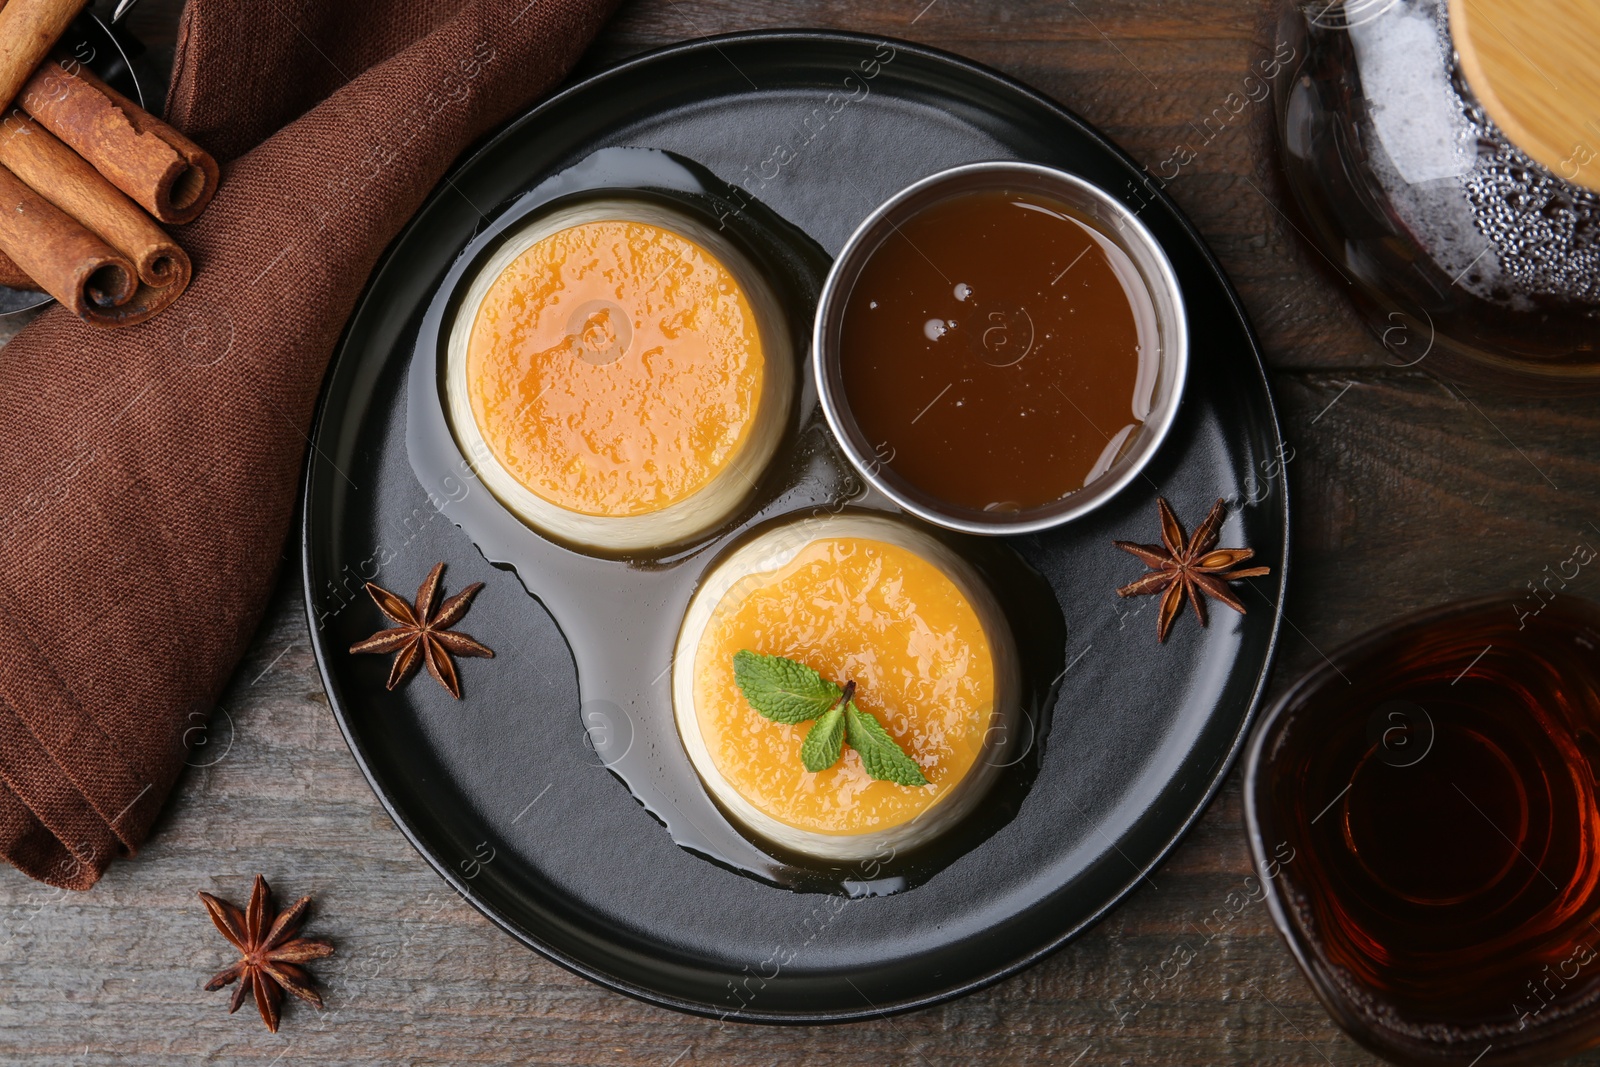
{"x":147,"y":475}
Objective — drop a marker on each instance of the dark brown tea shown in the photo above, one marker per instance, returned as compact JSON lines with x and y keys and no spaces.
{"x":1437,"y":792}
{"x":999,"y":351}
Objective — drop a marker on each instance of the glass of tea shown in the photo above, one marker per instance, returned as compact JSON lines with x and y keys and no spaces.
{"x":1000,"y":347}
{"x":1422,"y":807}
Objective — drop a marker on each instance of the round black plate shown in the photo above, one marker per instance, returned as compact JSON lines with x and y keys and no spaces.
{"x":500,"y":791}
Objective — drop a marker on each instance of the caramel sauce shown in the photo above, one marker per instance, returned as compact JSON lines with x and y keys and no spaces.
{"x":877,"y":614}
{"x":999,"y":351}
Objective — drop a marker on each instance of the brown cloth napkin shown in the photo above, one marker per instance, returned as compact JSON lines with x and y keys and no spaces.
{"x":147,"y":475}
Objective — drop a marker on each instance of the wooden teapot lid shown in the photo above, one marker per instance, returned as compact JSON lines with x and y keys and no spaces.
{"x":1535,"y":67}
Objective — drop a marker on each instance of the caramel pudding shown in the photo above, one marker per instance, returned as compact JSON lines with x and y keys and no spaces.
{"x":618,"y":375}
{"x":866,"y":599}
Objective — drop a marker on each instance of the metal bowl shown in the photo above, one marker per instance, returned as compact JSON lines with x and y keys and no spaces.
{"x":1115,"y":221}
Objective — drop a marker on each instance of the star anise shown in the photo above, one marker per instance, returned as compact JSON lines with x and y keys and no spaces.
{"x":272,"y":954}
{"x":422,"y":634}
{"x":1184,"y":567}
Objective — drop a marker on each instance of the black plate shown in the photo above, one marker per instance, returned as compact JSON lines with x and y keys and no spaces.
{"x":501,"y":793}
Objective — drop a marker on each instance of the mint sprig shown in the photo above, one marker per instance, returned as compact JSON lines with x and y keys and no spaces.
{"x":792,"y":693}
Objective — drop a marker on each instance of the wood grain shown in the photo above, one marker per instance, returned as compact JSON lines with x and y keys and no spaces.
{"x":1406,"y":492}
{"x":1531,"y":64}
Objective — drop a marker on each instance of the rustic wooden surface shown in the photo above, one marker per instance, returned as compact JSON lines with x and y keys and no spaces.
{"x":1407,"y":492}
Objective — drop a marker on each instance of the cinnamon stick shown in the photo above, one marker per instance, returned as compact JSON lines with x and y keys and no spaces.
{"x":171,"y":176}
{"x":11,"y":275}
{"x":28,"y":30}
{"x":65,"y":259}
{"x":61,"y":176}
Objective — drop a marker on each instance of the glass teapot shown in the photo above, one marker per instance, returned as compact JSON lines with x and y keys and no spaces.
{"x":1446,"y":156}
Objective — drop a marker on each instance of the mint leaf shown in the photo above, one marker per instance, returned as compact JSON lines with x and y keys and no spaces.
{"x":883,"y":758}
{"x":781,"y":689}
{"x":824,"y":744}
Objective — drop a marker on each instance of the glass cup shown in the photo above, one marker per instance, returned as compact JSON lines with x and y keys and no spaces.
{"x":1422,"y":807}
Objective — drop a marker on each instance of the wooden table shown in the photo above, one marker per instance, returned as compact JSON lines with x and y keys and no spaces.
{"x":1407,"y":492}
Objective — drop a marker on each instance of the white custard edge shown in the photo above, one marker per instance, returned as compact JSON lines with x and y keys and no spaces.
{"x":772,"y":550}
{"x":711,"y":504}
